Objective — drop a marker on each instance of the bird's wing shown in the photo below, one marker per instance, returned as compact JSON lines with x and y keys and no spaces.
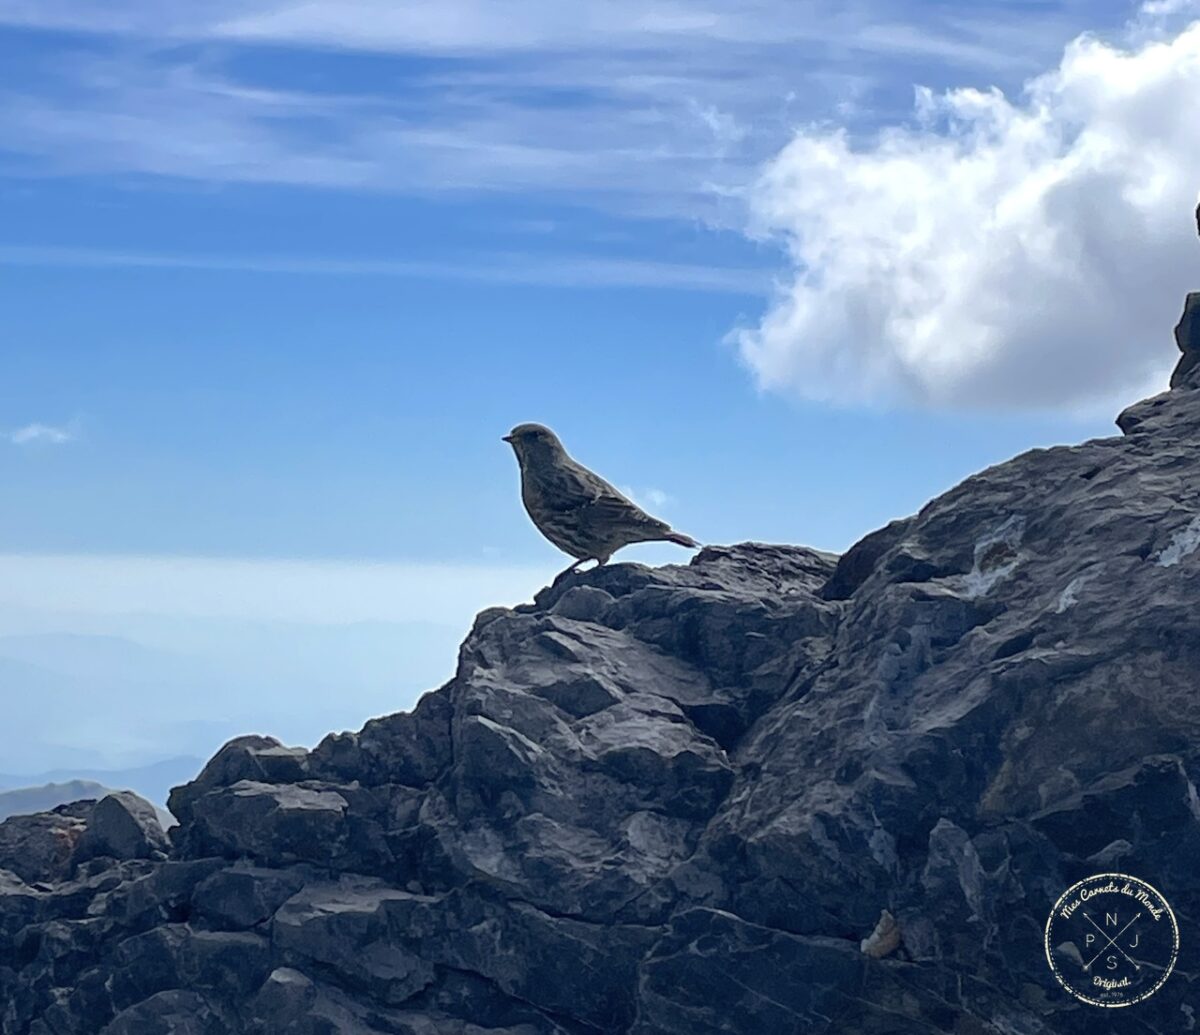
{"x":601,"y":501}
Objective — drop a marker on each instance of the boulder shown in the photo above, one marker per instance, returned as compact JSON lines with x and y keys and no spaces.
{"x":271,"y":823}
{"x":42,"y":847}
{"x":123,"y":826}
{"x":243,"y":896}
{"x":254,"y":758}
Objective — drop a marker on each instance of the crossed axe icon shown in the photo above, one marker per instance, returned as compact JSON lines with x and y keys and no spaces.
{"x":1111,"y":941}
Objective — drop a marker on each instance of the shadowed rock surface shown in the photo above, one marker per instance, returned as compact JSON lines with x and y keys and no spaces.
{"x":771,"y":791}
{"x":1187,"y":337}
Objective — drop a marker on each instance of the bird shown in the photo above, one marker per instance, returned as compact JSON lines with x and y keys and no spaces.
{"x":576,"y":509}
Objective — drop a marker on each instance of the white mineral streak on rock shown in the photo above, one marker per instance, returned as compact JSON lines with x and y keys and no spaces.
{"x":995,"y":557}
{"x":884,"y":940}
{"x":1069,"y":597}
{"x":1182,"y":545}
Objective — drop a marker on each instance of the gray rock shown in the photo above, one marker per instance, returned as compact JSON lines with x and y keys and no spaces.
{"x":1187,"y":337}
{"x":272,"y":823}
{"x":856,"y":565}
{"x":714,"y":973}
{"x":174,"y":1012}
{"x":220,"y":964}
{"x":343,"y":928}
{"x":241,"y":897}
{"x":253,"y":758}
{"x":123,"y":826}
{"x":411,"y":748}
{"x":42,"y":847}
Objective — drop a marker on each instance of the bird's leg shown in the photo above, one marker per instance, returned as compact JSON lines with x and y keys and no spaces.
{"x":569,"y":568}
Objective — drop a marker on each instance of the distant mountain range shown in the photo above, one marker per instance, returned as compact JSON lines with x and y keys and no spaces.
{"x":150,"y":687}
{"x":152,"y":782}
{"x":26,"y":800}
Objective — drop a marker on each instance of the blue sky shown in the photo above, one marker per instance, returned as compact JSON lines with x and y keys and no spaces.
{"x":277,"y":277}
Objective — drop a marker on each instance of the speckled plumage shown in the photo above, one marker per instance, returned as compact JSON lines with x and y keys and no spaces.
{"x":576,"y":509}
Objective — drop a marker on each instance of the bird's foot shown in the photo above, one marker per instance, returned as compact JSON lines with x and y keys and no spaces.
{"x":567,"y":570}
{"x":575,"y":567}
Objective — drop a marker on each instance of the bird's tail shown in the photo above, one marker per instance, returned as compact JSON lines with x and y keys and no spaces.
{"x":672,"y":536}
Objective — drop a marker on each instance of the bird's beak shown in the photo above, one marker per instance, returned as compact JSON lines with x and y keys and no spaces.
{"x":506,"y":438}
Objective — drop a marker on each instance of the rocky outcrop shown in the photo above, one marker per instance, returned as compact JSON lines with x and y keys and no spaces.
{"x":770,"y":791}
{"x":50,"y":846}
{"x":122,"y":826}
{"x":1187,"y":337}
{"x":41,"y":847}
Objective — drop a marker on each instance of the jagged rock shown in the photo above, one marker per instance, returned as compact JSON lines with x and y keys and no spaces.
{"x":344,"y":928}
{"x":153,"y":894}
{"x":673,"y":800}
{"x":42,"y":847}
{"x":123,"y":826}
{"x":714,"y":973}
{"x":1187,"y":337}
{"x":252,"y":758}
{"x":855,"y":566}
{"x":282,"y":824}
{"x":409,"y":748}
{"x":241,"y":897}
{"x":272,"y":823}
{"x":173,"y":1012}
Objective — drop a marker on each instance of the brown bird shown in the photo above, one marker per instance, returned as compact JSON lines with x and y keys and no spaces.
{"x":576,"y":509}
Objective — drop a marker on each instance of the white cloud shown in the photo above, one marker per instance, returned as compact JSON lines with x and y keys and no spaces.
{"x":996,"y":252}
{"x":1165,"y":8}
{"x":653,"y":501}
{"x":32,"y":434}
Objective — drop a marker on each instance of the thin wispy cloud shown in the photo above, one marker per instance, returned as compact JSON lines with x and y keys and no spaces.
{"x":477,"y":26}
{"x":41,"y":434}
{"x":1005,"y":252}
{"x":576,"y":271}
{"x":671,"y":107}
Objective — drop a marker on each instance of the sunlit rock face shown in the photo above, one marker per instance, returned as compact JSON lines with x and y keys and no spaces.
{"x":771,"y":791}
